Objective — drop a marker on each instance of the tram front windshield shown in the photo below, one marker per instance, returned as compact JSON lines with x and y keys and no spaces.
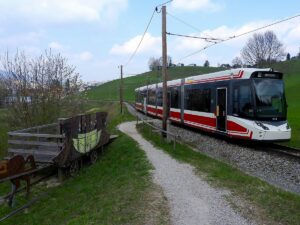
{"x":270,"y":99}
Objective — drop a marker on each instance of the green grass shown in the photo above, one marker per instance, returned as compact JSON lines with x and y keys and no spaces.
{"x":291,"y":70}
{"x":110,"y":90}
{"x":271,"y":205}
{"x":291,"y":67}
{"x":116,"y":190}
{"x":292,"y":84}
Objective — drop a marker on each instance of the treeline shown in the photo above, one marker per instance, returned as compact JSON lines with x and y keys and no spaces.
{"x":37,"y":89}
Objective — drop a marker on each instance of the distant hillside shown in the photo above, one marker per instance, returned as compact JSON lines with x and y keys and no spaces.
{"x":291,"y":69}
{"x":110,"y":90}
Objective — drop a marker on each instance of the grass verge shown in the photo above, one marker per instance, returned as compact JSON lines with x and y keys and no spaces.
{"x":292,"y":94}
{"x":116,"y":190}
{"x":271,"y":205}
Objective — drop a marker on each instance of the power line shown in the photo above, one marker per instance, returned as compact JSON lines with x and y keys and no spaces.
{"x":139,"y":44}
{"x":208,"y":39}
{"x":239,"y":35}
{"x":147,"y":27}
{"x":185,"y":23}
{"x":164,"y":3}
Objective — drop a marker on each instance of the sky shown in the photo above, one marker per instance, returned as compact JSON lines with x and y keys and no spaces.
{"x":99,"y":35}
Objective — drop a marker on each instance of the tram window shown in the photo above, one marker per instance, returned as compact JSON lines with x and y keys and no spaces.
{"x":142,"y":94}
{"x":159,"y":97}
{"x":236,"y":101}
{"x":242,"y":101}
{"x":198,"y":99}
{"x":151,"y":97}
{"x":175,"y":98}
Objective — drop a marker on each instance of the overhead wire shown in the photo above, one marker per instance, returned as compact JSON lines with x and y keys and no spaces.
{"x":165,"y":3}
{"x":239,"y":35}
{"x":185,"y":23}
{"x":140,"y":42}
{"x":144,"y":34}
{"x":209,"y":39}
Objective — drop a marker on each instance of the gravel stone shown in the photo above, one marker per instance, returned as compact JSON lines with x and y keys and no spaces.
{"x":279,"y":171}
{"x":192,"y":200}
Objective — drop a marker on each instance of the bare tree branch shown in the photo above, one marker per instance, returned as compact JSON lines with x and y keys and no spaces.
{"x":263,"y":49}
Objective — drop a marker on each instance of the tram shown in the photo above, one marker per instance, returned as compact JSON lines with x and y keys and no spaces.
{"x":246,"y":103}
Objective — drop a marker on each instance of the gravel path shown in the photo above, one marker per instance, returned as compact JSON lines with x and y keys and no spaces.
{"x":191,"y":199}
{"x":280,"y":171}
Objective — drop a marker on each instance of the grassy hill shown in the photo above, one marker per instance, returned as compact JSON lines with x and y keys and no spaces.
{"x":110,"y":90}
{"x":291,"y":69}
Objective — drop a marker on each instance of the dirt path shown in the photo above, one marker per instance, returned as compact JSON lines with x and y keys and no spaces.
{"x":191,"y":199}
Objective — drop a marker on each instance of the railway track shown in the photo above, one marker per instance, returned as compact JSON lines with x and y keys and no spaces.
{"x":267,"y":147}
{"x":284,"y":150}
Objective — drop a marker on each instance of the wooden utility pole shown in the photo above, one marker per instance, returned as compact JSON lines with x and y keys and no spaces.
{"x":121,"y":89}
{"x":164,"y":70}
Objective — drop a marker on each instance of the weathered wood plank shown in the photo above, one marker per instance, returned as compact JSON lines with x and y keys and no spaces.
{"x":37,"y":127}
{"x":35,"y":143}
{"x":24,"y":173}
{"x":32,"y":152}
{"x":36,"y":135}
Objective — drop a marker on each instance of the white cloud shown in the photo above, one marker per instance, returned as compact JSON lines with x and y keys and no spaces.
{"x":196,"y":5}
{"x":15,"y":41}
{"x":288,"y":33}
{"x":86,"y":56}
{"x":149,"y":44}
{"x":62,"y":10}
{"x":56,"y":46}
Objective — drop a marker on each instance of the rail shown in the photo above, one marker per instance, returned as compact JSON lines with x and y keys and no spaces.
{"x":159,"y":129}
{"x":274,"y":147}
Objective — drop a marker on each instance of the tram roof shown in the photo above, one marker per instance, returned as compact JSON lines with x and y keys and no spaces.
{"x":241,"y":73}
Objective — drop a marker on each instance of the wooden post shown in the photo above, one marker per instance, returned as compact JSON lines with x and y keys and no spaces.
{"x":164,"y":71}
{"x":121,"y":89}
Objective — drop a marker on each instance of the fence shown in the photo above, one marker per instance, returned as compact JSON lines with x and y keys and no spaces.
{"x":160,"y":130}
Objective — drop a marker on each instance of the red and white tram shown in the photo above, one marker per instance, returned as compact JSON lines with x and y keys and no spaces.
{"x":245,"y":103}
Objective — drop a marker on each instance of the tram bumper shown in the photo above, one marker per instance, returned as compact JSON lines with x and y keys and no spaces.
{"x":277,"y":135}
{"x":268,"y":132}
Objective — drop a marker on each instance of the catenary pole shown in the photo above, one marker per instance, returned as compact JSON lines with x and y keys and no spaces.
{"x":164,"y":70}
{"x":121,"y":88}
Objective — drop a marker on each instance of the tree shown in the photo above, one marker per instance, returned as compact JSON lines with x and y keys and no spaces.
{"x":37,"y":88}
{"x":262,"y":49}
{"x":3,"y":92}
{"x":169,"y":61}
{"x":206,"y":63}
{"x":153,"y":63}
{"x":237,"y":62}
{"x":288,"y":57}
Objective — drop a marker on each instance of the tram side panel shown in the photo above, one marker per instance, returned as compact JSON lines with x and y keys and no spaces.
{"x":201,"y":112}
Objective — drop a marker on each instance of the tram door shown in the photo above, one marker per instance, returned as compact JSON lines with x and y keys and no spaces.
{"x":221,"y":108}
